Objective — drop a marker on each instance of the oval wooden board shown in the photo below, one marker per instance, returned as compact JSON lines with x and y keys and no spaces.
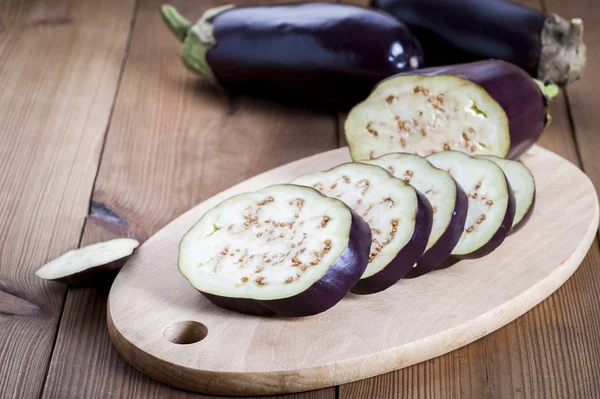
{"x":362,"y":336}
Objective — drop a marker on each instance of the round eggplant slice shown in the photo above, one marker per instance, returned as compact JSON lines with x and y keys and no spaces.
{"x":481,"y":108}
{"x":448,"y":202}
{"x":523,"y":186}
{"x":491,"y":202}
{"x":285,"y":250}
{"x":90,"y":265}
{"x":399,"y":217}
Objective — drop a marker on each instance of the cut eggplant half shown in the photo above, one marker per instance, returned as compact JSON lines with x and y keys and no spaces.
{"x":285,"y":250}
{"x":491,"y":202}
{"x":481,"y":108}
{"x":448,"y":201}
{"x":90,"y":265}
{"x":523,"y":186}
{"x":399,"y":217}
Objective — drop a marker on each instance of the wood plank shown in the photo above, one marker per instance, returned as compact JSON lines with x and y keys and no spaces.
{"x":172,"y":143}
{"x":60,"y":62}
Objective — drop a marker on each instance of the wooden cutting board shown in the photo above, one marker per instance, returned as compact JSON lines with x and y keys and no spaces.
{"x":166,"y":329}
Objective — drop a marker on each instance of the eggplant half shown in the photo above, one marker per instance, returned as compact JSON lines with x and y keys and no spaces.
{"x":523,"y":186}
{"x":399,"y":217}
{"x":285,"y":250}
{"x":482,"y":108}
{"x":547,"y":46}
{"x":91,"y":265}
{"x":448,"y":201}
{"x":311,"y":53}
{"x":491,"y":202}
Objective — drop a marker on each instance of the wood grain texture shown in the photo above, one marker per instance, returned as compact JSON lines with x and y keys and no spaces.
{"x":172,"y":143}
{"x":60,"y":62}
{"x":412,"y":321}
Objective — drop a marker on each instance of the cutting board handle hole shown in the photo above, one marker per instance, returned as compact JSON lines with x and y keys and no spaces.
{"x":185,"y":332}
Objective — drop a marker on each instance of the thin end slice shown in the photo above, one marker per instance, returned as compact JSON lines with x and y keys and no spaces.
{"x":491,"y":202}
{"x":523,"y":186}
{"x":448,"y":202}
{"x":427,"y":114}
{"x":285,"y":250}
{"x":89,"y":265}
{"x":399,"y":217}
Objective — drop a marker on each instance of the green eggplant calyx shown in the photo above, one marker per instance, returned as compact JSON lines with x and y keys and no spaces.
{"x":178,"y":24}
{"x":197,"y":39}
{"x":193,"y":56}
{"x":548,"y":90}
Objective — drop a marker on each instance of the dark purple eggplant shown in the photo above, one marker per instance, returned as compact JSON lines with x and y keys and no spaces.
{"x":448,"y":201}
{"x":91,"y":265}
{"x":491,"y":202}
{"x":285,"y":250}
{"x":522,"y":183}
{"x":400,"y":218}
{"x":315,"y":53}
{"x":482,"y":108}
{"x":547,"y":46}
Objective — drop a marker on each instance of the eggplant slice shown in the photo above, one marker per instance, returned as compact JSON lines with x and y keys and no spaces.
{"x":491,"y":202}
{"x":448,"y":201}
{"x":285,"y":250}
{"x":481,"y":108}
{"x":523,"y":186}
{"x":89,"y":265}
{"x":399,"y":217}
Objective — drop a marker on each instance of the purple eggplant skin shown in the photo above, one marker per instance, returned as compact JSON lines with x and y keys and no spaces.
{"x":525,"y":218}
{"x":406,"y":258}
{"x":324,"y":293}
{"x":548,"y":47}
{"x":502,"y":232}
{"x":514,"y":90}
{"x":309,"y":53}
{"x":94,"y":276}
{"x":442,"y":249}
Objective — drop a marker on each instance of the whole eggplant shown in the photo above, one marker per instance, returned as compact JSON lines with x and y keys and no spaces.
{"x":316,"y":53}
{"x":547,"y":46}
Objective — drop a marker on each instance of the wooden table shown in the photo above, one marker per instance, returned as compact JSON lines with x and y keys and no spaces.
{"x":104,"y":134}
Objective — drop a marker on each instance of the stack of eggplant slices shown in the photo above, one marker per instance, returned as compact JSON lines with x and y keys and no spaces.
{"x":444,"y":97}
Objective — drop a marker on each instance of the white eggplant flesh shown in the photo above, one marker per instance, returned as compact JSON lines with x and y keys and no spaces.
{"x":285,"y":250}
{"x":491,"y":202}
{"x":90,"y":265}
{"x":399,"y":217}
{"x":522,"y":183}
{"x":448,"y":201}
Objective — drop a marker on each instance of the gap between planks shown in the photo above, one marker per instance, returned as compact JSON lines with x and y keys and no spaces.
{"x":110,"y":115}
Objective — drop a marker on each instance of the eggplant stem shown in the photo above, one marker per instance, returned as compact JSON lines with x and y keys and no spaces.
{"x":177,"y":23}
